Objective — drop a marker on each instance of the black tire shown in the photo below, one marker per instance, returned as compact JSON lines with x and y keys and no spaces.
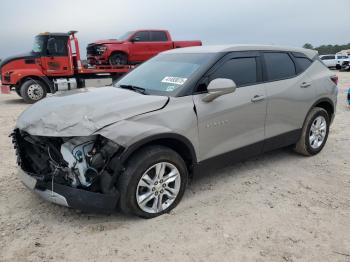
{"x":303,"y":146}
{"x":118,"y":59}
{"x":338,"y":67}
{"x":18,"y":91}
{"x":32,"y":90}
{"x":137,"y":165}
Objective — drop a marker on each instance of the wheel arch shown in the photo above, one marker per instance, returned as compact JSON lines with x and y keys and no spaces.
{"x":124,"y":52}
{"x":48,"y":83}
{"x":325,"y":103}
{"x":176,"y":142}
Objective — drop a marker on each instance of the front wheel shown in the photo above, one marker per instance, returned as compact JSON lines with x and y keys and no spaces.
{"x":314,"y":133}
{"x":118,"y":59}
{"x":153,"y":183}
{"x":32,"y":91}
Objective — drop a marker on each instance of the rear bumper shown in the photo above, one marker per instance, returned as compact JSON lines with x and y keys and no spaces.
{"x":69,"y":196}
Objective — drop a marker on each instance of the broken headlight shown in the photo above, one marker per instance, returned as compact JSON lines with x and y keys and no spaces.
{"x":87,"y":158}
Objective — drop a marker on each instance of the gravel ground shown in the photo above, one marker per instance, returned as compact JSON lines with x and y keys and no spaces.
{"x":277,"y":207}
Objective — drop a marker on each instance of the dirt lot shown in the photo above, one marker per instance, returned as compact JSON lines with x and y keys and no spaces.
{"x":277,"y":207}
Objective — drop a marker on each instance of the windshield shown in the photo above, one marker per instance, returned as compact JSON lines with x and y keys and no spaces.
{"x":165,"y":74}
{"x":39,"y":44}
{"x":125,"y":36}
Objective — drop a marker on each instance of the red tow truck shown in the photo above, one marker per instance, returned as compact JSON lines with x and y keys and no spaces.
{"x":134,"y":47}
{"x":53,"y":65}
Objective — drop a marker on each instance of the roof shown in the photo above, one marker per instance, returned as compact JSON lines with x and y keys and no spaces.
{"x":241,"y":47}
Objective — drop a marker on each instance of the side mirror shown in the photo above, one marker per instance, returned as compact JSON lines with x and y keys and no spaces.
{"x":52,"y":46}
{"x":219,"y":87}
{"x":135,"y":39}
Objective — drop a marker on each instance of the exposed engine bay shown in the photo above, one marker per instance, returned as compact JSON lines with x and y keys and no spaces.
{"x":79,"y":162}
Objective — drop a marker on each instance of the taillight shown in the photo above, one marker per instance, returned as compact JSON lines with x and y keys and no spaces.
{"x":334,"y":79}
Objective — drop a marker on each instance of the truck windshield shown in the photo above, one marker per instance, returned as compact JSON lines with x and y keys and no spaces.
{"x":165,"y":74}
{"x":125,"y":36}
{"x":39,"y":44}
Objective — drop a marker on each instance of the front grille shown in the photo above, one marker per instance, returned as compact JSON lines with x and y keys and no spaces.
{"x":33,"y":152}
{"x":345,"y":63}
{"x":92,"y":49}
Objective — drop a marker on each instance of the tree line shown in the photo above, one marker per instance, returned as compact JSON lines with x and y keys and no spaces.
{"x":327,"y":49}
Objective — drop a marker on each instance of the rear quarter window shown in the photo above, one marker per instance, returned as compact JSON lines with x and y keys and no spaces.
{"x":279,"y":66}
{"x":303,"y":63}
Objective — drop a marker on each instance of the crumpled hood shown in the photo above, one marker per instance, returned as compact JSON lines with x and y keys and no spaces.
{"x":107,"y":41}
{"x":82,"y":112}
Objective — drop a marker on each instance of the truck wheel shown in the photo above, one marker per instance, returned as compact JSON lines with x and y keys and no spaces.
{"x":153,"y":182}
{"x":118,"y":59}
{"x":32,"y":91}
{"x":314,"y":133}
{"x":18,"y":91}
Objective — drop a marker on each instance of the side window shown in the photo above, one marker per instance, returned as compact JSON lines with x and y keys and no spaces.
{"x":241,"y":70}
{"x":57,"y":46}
{"x":279,"y":66}
{"x":143,"y":36}
{"x":158,"y":36}
{"x":331,"y":57}
{"x":303,"y":63}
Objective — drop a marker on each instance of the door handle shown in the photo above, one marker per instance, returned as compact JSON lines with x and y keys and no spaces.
{"x":305,"y":84}
{"x":257,"y":98}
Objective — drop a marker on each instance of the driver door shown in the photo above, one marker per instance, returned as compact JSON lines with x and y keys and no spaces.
{"x":236,"y":120}
{"x":57,"y":62}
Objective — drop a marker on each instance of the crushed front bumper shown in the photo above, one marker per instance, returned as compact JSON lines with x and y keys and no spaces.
{"x":70,"y":197}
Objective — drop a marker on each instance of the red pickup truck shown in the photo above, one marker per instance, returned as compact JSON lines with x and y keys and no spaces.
{"x":133,"y":47}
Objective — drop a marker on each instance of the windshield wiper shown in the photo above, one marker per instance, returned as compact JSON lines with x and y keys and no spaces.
{"x":134,"y":88}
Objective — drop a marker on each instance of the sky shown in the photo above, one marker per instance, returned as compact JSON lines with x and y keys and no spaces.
{"x":283,"y":22}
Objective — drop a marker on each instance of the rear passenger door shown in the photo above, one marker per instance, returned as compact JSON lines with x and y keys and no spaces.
{"x":160,"y":42}
{"x":290,"y":94}
{"x":235,"y":120}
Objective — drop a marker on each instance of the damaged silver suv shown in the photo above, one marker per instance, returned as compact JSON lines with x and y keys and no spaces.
{"x":134,"y":145}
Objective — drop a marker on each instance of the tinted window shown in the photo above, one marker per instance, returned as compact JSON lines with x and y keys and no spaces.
{"x":341,"y":57}
{"x":241,"y":70}
{"x":279,"y":66}
{"x":328,"y":57}
{"x":60,"y":45}
{"x":158,"y":36}
{"x":303,"y":63}
{"x":142,"y":36}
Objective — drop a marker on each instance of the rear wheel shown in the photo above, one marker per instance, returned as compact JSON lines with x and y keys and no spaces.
{"x":32,"y":90}
{"x":118,"y":59}
{"x":153,"y":183}
{"x":314,"y":133}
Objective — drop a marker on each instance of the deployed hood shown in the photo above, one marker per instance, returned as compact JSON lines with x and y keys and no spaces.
{"x":84,"y":111}
{"x":108,"y":41}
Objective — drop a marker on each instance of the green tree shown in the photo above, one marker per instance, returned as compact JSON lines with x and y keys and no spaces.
{"x":308,"y":46}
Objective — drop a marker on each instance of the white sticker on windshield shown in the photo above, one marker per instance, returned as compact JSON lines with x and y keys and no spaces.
{"x":170,"y":88}
{"x":174,"y":80}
